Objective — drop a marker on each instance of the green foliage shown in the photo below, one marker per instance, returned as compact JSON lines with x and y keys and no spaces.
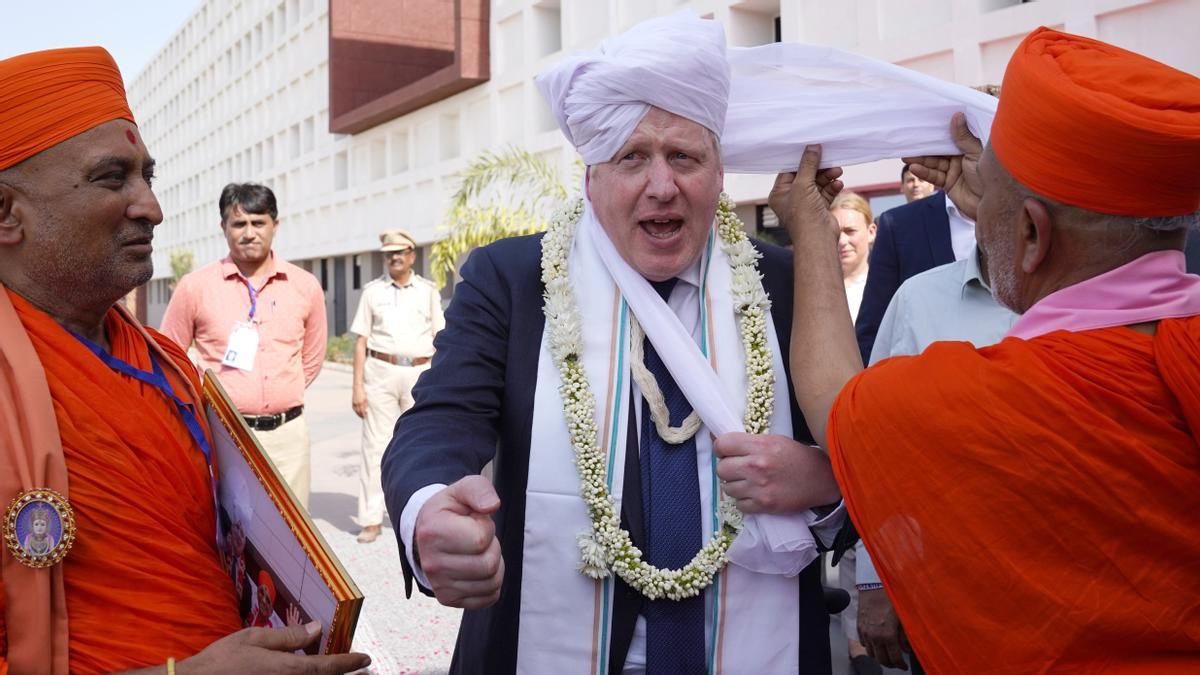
{"x":508,"y":193}
{"x":340,"y":348}
{"x":529,"y":180}
{"x":182,"y":261}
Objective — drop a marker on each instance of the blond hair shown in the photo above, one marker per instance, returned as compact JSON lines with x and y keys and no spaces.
{"x":853,"y":202}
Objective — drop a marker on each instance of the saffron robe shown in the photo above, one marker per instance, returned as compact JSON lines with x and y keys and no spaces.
{"x":1031,"y":506}
{"x":144,"y":579}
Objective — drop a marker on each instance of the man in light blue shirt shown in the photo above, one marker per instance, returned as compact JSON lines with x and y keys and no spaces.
{"x":950,"y":302}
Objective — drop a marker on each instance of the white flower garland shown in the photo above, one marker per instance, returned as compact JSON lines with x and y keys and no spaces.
{"x":606,"y":547}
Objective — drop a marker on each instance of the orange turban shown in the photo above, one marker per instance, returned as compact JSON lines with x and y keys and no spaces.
{"x":264,"y":579}
{"x":1098,"y":127}
{"x":48,"y":97}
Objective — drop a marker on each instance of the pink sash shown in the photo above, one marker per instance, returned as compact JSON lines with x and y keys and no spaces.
{"x":1155,"y":286}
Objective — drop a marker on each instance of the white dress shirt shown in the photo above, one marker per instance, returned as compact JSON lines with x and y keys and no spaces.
{"x":962,"y":231}
{"x":855,"y":286}
{"x":950,"y":302}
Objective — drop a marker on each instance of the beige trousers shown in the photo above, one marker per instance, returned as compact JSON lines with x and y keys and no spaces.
{"x":389,"y":393}
{"x":289,"y":449}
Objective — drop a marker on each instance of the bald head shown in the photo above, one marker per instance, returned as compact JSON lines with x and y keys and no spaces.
{"x":1036,"y":245}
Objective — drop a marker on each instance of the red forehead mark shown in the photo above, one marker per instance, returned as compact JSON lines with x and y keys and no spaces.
{"x":131,"y":137}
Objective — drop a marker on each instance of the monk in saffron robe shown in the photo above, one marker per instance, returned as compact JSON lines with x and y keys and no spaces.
{"x":101,"y":410}
{"x":1050,"y":484}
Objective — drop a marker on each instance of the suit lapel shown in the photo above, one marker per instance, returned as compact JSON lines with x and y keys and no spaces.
{"x":937,"y":229}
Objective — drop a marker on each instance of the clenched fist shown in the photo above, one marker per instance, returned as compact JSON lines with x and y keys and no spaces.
{"x":456,"y":544}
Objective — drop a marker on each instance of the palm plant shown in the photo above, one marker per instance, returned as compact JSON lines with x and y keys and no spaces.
{"x":501,"y":194}
{"x":182,"y":261}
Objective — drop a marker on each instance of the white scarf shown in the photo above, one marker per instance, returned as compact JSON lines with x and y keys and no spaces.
{"x":565,"y":616}
{"x":765,"y":103}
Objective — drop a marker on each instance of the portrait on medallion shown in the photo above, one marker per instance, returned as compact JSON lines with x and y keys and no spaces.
{"x":39,"y":529}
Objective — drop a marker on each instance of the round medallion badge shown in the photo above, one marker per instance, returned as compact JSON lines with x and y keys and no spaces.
{"x":39,"y":527}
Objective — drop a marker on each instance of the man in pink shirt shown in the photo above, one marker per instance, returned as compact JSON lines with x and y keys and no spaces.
{"x":259,"y":323}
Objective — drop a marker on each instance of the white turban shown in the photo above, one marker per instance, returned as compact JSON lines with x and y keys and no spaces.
{"x":600,"y":95}
{"x":778,"y":99}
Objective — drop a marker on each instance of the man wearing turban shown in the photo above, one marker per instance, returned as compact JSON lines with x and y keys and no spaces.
{"x":100,"y":409}
{"x":638,"y":520}
{"x":640,"y":253}
{"x":1060,"y":524}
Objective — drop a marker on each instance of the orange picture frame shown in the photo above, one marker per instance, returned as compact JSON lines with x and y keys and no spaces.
{"x":302,"y":569}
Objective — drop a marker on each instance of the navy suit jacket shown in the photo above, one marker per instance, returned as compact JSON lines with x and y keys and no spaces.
{"x":909,"y":239}
{"x":475,"y":405}
{"x":1191,"y":252}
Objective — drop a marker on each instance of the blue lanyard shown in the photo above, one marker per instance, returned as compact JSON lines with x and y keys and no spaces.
{"x":158,"y":380}
{"x":253,"y":297}
{"x":187,"y":411}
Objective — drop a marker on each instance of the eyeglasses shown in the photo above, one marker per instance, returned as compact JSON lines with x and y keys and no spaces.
{"x":397,"y":254}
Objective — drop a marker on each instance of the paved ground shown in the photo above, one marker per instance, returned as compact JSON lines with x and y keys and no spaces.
{"x":403,"y":636}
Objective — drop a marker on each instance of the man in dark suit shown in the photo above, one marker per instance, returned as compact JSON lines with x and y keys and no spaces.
{"x":509,"y":551}
{"x":910,"y":239}
{"x":475,"y":405}
{"x":914,"y":188}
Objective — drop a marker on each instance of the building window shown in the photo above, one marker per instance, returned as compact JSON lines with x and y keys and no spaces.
{"x":357,"y":273}
{"x":325,"y":274}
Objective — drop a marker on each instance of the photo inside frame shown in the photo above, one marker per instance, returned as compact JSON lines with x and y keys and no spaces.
{"x":282,"y":570}
{"x":263,"y":599}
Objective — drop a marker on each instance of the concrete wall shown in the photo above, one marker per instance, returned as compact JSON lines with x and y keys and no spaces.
{"x":241,"y":92}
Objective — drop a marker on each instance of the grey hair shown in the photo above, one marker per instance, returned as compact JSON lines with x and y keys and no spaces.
{"x":1187,"y":221}
{"x":1135,"y":225}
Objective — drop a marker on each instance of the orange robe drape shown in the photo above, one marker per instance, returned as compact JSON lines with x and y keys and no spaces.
{"x":144,"y":580}
{"x":1034,"y":505}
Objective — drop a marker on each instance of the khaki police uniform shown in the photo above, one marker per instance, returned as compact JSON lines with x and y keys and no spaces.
{"x":399,"y":323}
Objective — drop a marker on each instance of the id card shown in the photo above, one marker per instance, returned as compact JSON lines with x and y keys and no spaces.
{"x":243,"y":345}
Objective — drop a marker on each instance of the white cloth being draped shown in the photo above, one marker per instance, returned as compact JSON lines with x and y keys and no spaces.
{"x":779,"y":97}
{"x":567,"y":629}
{"x":600,"y":95}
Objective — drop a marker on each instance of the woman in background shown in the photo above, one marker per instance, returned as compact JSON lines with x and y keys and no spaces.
{"x":853,"y":213}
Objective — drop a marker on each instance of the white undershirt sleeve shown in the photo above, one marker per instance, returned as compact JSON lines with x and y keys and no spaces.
{"x":408,"y":526}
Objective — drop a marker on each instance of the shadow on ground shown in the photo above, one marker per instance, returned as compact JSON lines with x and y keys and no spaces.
{"x":335,"y":508}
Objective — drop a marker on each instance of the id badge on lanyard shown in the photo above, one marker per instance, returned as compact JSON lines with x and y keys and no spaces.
{"x":243,"y":339}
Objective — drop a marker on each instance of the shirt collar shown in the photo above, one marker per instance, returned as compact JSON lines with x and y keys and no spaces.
{"x":956,"y":216}
{"x":951,"y":208}
{"x":971,"y":271}
{"x":387,"y":279}
{"x":230,"y":270}
{"x":691,"y":275}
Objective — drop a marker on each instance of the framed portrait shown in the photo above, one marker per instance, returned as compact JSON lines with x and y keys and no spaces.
{"x":282,"y":569}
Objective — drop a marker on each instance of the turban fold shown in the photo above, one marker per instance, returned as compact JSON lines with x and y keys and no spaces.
{"x":1100,"y":128}
{"x":48,"y":97}
{"x":676,"y":63}
{"x":764,"y":103}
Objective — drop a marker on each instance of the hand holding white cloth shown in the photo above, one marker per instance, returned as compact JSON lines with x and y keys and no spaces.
{"x":788,"y":96}
{"x":764,"y":103}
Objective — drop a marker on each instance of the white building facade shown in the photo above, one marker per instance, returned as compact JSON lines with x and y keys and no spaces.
{"x":242,"y":93}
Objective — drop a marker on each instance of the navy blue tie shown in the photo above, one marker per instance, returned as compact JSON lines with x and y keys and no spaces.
{"x":674,"y":533}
